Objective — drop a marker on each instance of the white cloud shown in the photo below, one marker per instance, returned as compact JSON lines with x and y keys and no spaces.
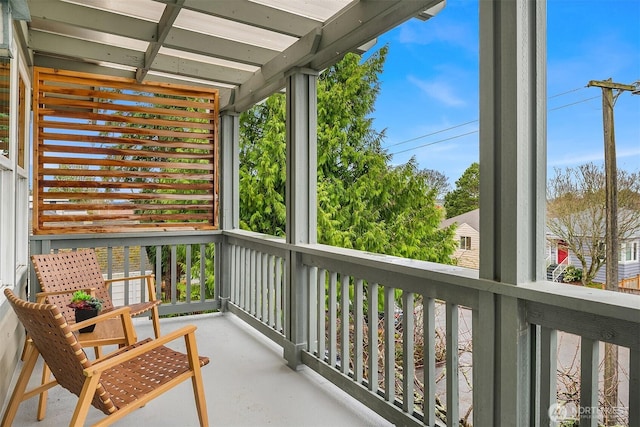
{"x":439,"y":90}
{"x":593,"y":157}
{"x":440,"y":31}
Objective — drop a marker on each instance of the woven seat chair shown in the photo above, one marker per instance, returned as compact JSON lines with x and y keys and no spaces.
{"x":117,"y":384}
{"x":60,"y":274}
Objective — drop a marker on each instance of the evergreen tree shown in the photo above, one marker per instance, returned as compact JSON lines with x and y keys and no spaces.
{"x":466,"y":196}
{"x":363,"y":202}
{"x":263,"y":167}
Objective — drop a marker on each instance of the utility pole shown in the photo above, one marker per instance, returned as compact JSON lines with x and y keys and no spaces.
{"x":611,"y":175}
{"x":611,"y":234}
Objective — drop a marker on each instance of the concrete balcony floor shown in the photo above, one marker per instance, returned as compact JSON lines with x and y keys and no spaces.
{"x":247,"y":383}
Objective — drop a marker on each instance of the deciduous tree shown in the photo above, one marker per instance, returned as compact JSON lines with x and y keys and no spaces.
{"x":438,"y":181}
{"x":576,"y":213}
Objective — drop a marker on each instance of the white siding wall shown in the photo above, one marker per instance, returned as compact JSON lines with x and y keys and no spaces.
{"x":467,"y":257}
{"x":14,"y":212}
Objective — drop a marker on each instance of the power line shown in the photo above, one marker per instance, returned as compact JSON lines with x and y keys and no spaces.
{"x":567,"y":92}
{"x":432,"y":133}
{"x":473,"y":121}
{"x":573,"y":103}
{"x":436,"y":142}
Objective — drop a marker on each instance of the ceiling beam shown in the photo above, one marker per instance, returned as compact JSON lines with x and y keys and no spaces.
{"x":223,"y":92}
{"x":363,"y":22}
{"x":81,"y":67}
{"x":165,"y":24}
{"x":64,"y":31}
{"x":199,"y":70}
{"x":22,"y":34}
{"x":231,"y":50}
{"x":20,"y":10}
{"x":254,"y":14}
{"x":92,"y":19}
{"x":345,"y":32}
{"x":54,"y":44}
{"x":300,"y":52}
{"x":86,"y":67}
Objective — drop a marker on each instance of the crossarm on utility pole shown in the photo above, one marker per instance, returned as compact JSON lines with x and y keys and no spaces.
{"x":610,"y":85}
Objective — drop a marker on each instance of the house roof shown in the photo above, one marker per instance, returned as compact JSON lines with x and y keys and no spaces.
{"x":589,"y":223}
{"x":244,"y":48}
{"x":472,"y":219}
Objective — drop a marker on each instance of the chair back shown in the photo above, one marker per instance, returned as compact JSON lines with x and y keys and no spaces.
{"x":59,"y":348}
{"x":70,"y":271}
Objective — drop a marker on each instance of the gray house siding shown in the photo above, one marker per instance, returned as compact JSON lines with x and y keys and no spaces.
{"x":12,"y":339}
{"x":625,"y":270}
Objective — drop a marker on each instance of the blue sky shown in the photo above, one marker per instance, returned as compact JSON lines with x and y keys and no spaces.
{"x":429,"y":88}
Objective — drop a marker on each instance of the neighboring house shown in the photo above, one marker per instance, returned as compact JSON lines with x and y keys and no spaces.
{"x":467,"y":235}
{"x":468,"y":253}
{"x":628,"y":257}
{"x":584,"y":229}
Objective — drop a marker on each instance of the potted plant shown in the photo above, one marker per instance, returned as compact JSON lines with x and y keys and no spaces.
{"x":86,"y":306}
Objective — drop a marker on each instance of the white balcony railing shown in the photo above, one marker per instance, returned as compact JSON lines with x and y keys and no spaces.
{"x":390,"y":331}
{"x":392,"y":366}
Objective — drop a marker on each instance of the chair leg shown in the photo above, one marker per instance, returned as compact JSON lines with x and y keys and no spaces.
{"x":201,"y":403}
{"x":196,"y":380}
{"x":24,"y":348}
{"x":84,"y":401}
{"x":17,"y":396}
{"x":155,"y":318}
{"x":42,"y":404}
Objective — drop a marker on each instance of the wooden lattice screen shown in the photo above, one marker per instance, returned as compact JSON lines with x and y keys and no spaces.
{"x":112,"y":155}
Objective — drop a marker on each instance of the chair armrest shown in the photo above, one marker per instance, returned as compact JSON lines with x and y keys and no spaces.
{"x":122,"y":279}
{"x":150,"y":281}
{"x":125,"y":317}
{"x":188,"y":332}
{"x":41,"y":296}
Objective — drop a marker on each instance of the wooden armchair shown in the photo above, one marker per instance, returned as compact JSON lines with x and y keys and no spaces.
{"x":60,"y":274}
{"x":118,"y":384}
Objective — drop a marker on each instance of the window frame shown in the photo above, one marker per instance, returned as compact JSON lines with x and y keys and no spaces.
{"x":465,"y":243}
{"x":623,"y":256}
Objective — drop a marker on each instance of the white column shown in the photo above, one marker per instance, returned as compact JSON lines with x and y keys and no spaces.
{"x":301,"y":203}
{"x":229,"y":199}
{"x":512,"y":183}
{"x":229,"y":171}
{"x":302,"y":157}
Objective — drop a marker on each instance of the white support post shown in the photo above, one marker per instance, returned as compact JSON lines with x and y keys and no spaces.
{"x":484,"y":325}
{"x":453,"y":365}
{"x":229,"y":197}
{"x":302,"y":157}
{"x":301,"y":201}
{"x":548,"y":373}
{"x":634,"y":385}
{"x":589,"y":360}
{"x":229,"y":170}
{"x":512,"y":183}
